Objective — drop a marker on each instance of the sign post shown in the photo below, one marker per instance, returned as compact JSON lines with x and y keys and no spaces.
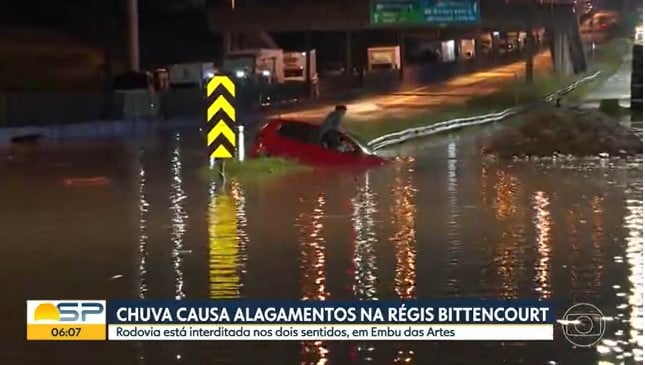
{"x":220,"y":118}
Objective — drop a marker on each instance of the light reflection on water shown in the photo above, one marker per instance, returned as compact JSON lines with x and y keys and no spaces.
{"x":625,"y":343}
{"x":453,"y":222}
{"x":365,"y":270}
{"x":142,"y":284}
{"x":607,"y":248}
{"x":483,"y":187}
{"x":143,"y":235}
{"x":573,"y":218}
{"x":365,"y":240}
{"x":404,"y":224}
{"x":511,"y":236}
{"x":543,"y":227}
{"x":553,"y":231}
{"x":227,"y":243}
{"x":405,"y":241}
{"x":634,"y":257}
{"x":239,"y":197}
{"x":179,"y":216}
{"x":313,"y":268}
{"x":597,"y":235}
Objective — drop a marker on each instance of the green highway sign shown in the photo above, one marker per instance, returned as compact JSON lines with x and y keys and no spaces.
{"x":424,"y":12}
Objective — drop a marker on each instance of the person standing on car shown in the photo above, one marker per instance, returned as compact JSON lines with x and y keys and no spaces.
{"x":328,"y":135}
{"x":330,"y":124}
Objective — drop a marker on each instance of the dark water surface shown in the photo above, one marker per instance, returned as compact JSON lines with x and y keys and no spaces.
{"x":440,"y":222}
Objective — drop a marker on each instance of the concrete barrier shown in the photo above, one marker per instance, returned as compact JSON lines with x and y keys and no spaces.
{"x":87,"y":130}
{"x":39,"y":108}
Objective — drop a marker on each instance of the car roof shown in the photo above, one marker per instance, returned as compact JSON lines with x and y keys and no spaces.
{"x":276,"y":123}
{"x":280,"y":120}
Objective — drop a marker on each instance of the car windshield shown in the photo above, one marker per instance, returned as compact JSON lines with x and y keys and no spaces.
{"x":302,"y":132}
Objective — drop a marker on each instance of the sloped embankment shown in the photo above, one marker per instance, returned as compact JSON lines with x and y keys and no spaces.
{"x":565,"y":130}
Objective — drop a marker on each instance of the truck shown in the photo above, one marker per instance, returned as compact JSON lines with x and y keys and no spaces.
{"x":384,"y":58}
{"x":190,"y":74}
{"x":295,"y":66}
{"x":263,"y":63}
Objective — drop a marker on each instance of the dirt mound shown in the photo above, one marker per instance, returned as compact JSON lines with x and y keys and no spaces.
{"x":565,"y":130}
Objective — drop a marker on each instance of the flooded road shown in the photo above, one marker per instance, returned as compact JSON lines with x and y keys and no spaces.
{"x":438,"y":222}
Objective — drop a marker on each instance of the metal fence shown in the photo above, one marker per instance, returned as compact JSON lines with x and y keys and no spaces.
{"x":412,"y":133}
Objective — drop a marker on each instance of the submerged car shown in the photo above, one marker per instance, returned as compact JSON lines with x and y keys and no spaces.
{"x":306,"y":143}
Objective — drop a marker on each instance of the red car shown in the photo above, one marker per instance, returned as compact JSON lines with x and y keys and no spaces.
{"x":300,"y":141}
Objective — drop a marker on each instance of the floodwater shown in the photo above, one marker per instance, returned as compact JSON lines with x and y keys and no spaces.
{"x":438,"y":222}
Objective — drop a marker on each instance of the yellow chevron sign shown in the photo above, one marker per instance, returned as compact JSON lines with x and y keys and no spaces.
{"x":221,"y":117}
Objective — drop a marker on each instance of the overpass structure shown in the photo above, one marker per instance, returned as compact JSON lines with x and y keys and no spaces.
{"x":558,"y":17}
{"x":354,"y":15}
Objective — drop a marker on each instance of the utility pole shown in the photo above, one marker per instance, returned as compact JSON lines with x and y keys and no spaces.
{"x":530,"y":44}
{"x":133,"y":35}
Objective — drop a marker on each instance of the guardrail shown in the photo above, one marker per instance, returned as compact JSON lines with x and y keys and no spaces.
{"x":412,"y":133}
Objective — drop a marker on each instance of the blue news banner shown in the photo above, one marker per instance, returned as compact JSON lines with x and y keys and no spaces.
{"x":230,"y":320}
{"x":143,"y":320}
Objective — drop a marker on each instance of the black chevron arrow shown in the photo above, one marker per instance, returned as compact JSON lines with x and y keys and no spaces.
{"x":221,"y":141}
{"x":221,"y":115}
{"x":221,"y":90}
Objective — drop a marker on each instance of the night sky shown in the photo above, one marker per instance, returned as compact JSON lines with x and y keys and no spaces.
{"x":169,"y":33}
{"x":170,"y":30}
